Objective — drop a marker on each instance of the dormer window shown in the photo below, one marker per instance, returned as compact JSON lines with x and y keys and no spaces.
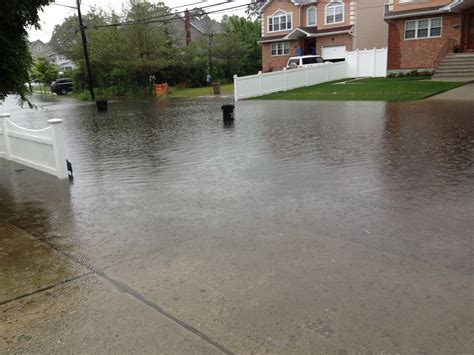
{"x":311,"y":19}
{"x":334,"y":13}
{"x":279,"y":21}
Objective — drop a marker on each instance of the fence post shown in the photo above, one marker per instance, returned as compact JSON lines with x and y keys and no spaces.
{"x":260,"y":83}
{"x":375,"y":62}
{"x":307,"y":76}
{"x":3,"y":121}
{"x":59,"y":148}
{"x":284,"y":80}
{"x":236,"y":96}
{"x":357,"y":63}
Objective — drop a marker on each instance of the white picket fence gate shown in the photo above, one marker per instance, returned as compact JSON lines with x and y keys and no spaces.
{"x":38,"y":149}
{"x":366,"y":63}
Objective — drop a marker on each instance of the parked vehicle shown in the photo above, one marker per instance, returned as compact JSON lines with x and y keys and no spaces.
{"x":62,"y":86}
{"x":304,"y":61}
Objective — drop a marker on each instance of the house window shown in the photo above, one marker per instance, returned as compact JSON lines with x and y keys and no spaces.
{"x":39,"y":48}
{"x":311,"y":16}
{"x":424,"y":28}
{"x":282,"y":48}
{"x":334,"y":13}
{"x":280,"y":21}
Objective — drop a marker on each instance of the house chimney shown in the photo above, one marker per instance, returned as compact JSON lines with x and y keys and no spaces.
{"x":187,"y":26}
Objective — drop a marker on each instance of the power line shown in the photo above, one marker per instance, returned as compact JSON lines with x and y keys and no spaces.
{"x":118,"y":16}
{"x":166,"y":18}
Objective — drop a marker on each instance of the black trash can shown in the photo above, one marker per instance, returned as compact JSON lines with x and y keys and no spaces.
{"x":228,"y":112}
{"x":101,"y":105}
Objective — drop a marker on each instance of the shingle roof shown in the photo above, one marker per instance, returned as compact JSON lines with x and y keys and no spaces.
{"x":270,"y":38}
{"x":311,"y":31}
{"x":415,"y":11}
{"x":314,"y":30}
{"x":207,"y":26}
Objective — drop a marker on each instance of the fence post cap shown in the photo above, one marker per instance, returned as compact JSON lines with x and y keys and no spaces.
{"x":4,"y":115}
{"x":55,"y":121}
{"x":235,"y":76}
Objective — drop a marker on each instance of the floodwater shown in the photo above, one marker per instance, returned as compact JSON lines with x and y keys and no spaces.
{"x":303,"y":226}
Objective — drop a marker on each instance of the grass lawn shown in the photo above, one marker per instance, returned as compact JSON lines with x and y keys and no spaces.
{"x":173,"y":93}
{"x":370,"y":89}
{"x":194,"y":92}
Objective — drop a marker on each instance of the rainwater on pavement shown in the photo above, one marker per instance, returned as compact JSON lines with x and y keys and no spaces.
{"x":303,"y":227}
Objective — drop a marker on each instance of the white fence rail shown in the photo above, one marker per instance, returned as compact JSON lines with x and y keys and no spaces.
{"x":366,"y":63}
{"x":38,"y":149}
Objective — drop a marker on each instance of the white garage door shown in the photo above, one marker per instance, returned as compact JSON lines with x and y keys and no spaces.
{"x":334,"y":52}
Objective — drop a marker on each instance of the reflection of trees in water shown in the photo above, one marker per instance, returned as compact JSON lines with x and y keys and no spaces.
{"x":428,"y":142}
{"x":330,"y":133}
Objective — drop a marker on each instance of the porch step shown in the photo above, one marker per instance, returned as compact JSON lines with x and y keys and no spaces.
{"x":460,"y":55}
{"x":458,"y":60}
{"x":456,"y":64}
{"x":456,"y":67}
{"x":457,"y":70}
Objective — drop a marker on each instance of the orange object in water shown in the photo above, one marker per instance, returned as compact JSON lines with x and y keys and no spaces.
{"x":161,"y":89}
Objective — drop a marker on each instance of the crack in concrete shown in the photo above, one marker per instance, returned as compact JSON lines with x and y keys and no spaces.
{"x":121,"y":287}
{"x":45,"y":288}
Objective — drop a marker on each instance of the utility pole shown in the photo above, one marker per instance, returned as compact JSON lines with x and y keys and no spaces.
{"x":209,"y":59}
{"x":86,"y":52}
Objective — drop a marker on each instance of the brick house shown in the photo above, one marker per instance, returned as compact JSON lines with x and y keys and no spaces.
{"x":423,"y":33}
{"x":325,"y":27}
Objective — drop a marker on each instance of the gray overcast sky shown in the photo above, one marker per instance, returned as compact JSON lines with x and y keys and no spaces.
{"x":54,"y":15}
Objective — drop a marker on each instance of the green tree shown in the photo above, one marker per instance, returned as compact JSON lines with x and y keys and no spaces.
{"x":44,"y":72}
{"x":15,"y":59}
{"x":253,"y":10}
{"x":239,"y":50}
{"x":198,"y":13}
{"x":65,"y":36}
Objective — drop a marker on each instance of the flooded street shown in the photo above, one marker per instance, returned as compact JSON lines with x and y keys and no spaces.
{"x":304,"y":227}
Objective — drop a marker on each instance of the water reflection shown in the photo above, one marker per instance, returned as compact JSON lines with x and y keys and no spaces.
{"x":154,"y":173}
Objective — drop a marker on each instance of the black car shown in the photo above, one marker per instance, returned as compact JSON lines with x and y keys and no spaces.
{"x":62,"y":86}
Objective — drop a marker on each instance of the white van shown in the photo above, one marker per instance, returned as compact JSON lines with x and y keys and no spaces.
{"x":304,"y":61}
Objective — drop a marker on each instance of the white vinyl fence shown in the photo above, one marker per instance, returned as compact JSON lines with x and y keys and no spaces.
{"x":366,"y":63}
{"x":38,"y":149}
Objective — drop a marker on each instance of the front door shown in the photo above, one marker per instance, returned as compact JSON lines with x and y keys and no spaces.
{"x":310,"y":46}
{"x":470,"y":32}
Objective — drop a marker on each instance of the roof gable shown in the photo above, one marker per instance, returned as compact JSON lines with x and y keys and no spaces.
{"x":204,"y":26}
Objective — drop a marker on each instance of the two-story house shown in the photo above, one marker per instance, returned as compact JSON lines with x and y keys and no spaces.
{"x":39,"y":49}
{"x":423,"y":32}
{"x":325,"y":27}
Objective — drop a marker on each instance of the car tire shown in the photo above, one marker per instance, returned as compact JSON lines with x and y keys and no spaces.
{"x":63,"y":92}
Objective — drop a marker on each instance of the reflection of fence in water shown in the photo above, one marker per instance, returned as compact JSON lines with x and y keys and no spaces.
{"x":39,"y":149}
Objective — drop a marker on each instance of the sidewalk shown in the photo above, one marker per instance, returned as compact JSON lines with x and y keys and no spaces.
{"x":463,"y":93}
{"x":49,"y":303}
